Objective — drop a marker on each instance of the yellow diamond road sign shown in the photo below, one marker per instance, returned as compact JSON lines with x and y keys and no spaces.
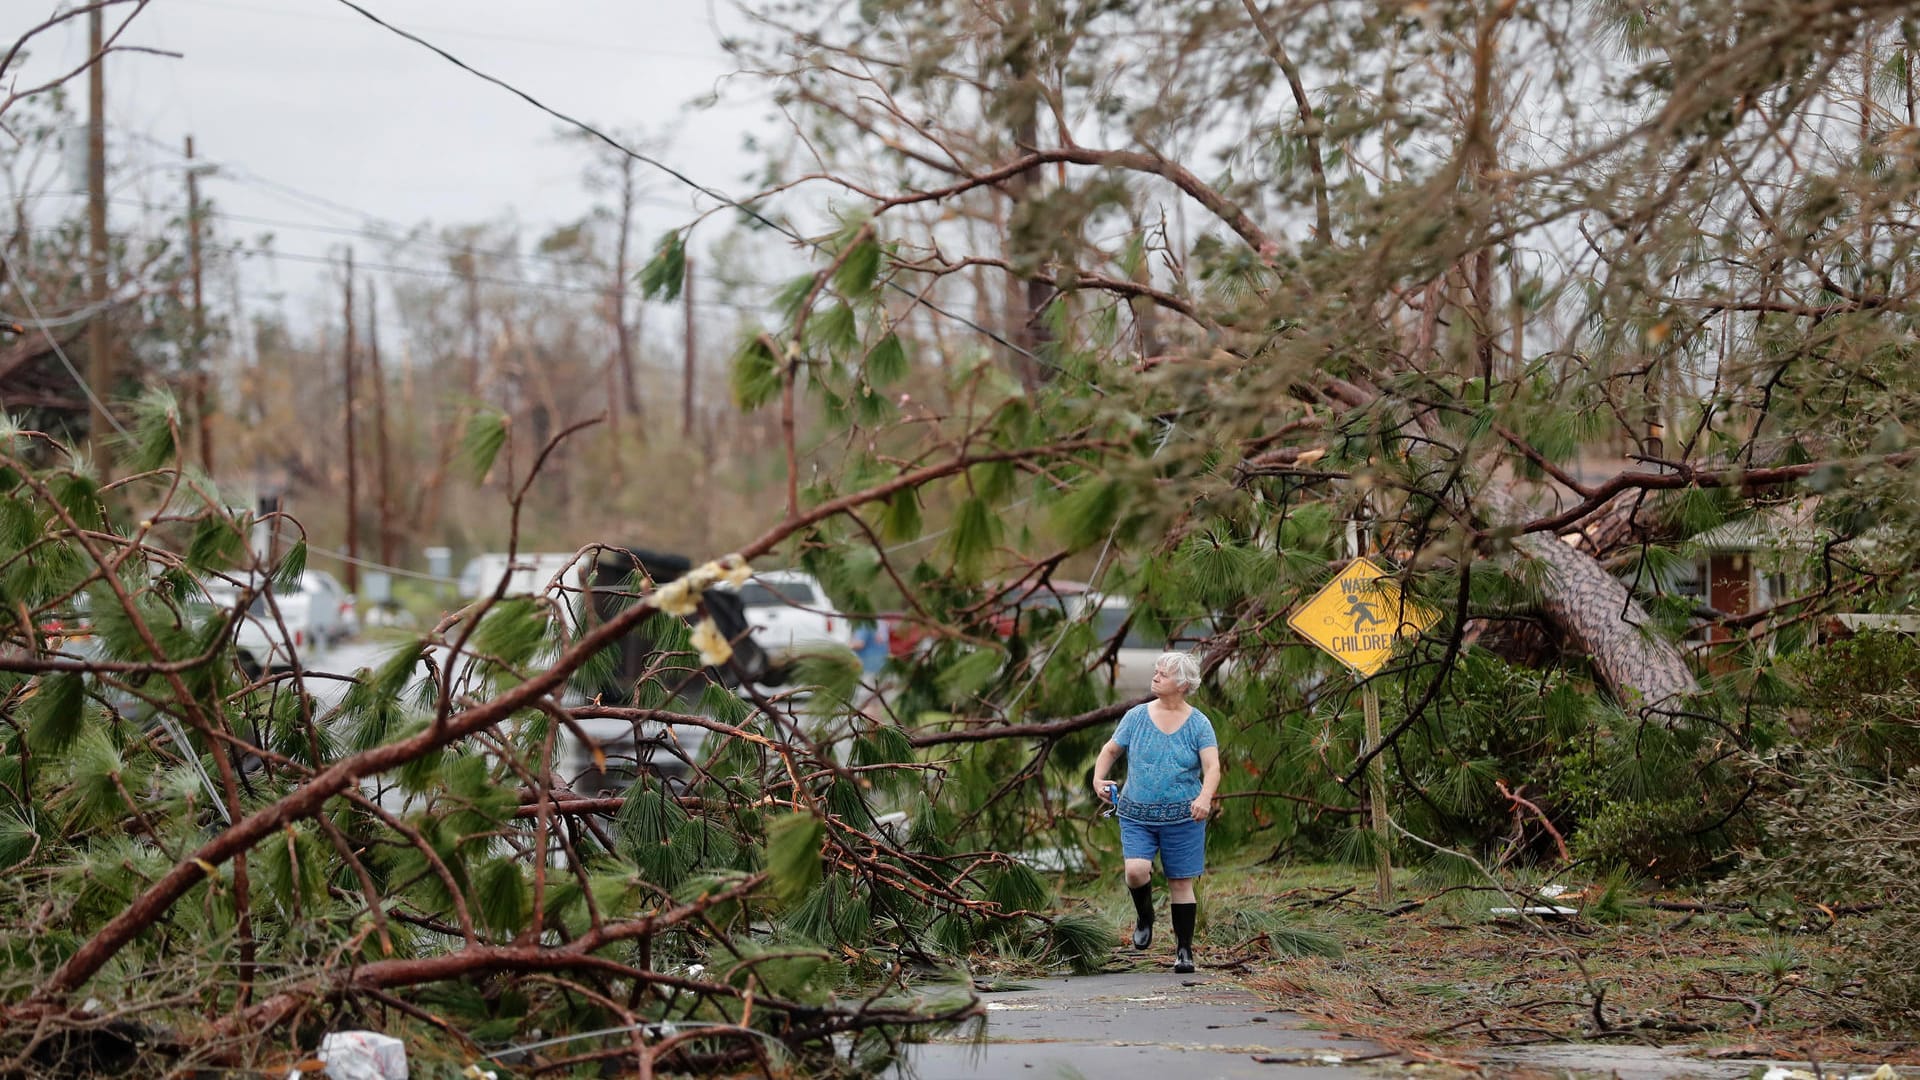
{"x":1360,"y":616}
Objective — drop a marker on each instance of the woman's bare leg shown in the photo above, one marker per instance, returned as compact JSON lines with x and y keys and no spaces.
{"x":1179,"y":890}
{"x":1140,"y":871}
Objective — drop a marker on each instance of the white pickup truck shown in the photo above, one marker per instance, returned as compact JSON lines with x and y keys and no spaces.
{"x":791,"y":615}
{"x":315,"y":615}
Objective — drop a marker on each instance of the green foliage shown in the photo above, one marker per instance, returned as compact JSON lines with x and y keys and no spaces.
{"x":218,"y":544}
{"x":1227,"y":402}
{"x":831,"y":914}
{"x":664,"y":274}
{"x":834,"y":676}
{"x":1279,"y":931}
{"x":835,"y":330}
{"x":58,"y":712}
{"x":755,"y":373}
{"x":97,"y":772}
{"x":18,"y":523}
{"x":286,"y":576}
{"x":793,"y":855}
{"x":20,"y":837}
{"x":1084,"y":517}
{"x":512,"y":631}
{"x":887,"y":361}
{"x":968,"y":674}
{"x":501,"y":896}
{"x":901,"y":518}
{"x":482,"y":441}
{"x":885,"y":745}
{"x":79,"y":496}
{"x":1824,"y":825}
{"x":1610,"y":903}
{"x":859,"y":269}
{"x":293,"y":868}
{"x":1015,"y":887}
{"x":151,"y":444}
{"x":1861,"y":694}
{"x":1083,"y":941}
{"x":782,"y":972}
{"x":973,"y":535}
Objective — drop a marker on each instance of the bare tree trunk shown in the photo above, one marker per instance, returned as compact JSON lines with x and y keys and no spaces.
{"x":622,"y":333}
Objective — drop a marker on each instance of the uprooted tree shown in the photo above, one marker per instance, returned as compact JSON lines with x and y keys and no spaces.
{"x":1187,"y":300}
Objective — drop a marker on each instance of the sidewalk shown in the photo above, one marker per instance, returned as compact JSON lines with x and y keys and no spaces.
{"x":1135,"y":1026}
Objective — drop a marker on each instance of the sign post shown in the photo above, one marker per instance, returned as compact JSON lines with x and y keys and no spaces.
{"x":1377,"y":796}
{"x":1359,"y":618}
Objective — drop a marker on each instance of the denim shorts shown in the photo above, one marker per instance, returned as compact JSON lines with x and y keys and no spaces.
{"x":1182,"y":845}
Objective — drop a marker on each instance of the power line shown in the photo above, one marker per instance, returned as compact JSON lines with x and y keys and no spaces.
{"x":87,"y":389}
{"x":919,"y":298}
{"x":371,"y":565}
{"x":240,"y":173}
{"x":418,"y":271}
{"x":376,"y":236}
{"x":453,"y":275}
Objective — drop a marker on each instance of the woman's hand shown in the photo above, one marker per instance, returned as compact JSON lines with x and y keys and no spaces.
{"x":1202,"y":806}
{"x":1101,"y":790}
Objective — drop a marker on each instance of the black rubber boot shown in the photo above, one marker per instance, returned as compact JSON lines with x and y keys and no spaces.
{"x":1142,"y":914}
{"x":1183,"y":918}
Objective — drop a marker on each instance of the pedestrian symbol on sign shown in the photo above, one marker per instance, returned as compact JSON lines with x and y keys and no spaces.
{"x":1362,"y":612}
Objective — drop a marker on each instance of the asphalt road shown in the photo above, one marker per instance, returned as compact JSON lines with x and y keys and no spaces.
{"x":1134,"y":1026}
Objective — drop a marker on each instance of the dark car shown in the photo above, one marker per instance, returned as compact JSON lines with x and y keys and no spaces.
{"x":630,"y":748}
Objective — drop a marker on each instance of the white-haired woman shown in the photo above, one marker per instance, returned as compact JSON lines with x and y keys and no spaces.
{"x":1173,"y":769}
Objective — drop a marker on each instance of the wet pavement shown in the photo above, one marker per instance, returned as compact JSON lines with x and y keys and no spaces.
{"x":1628,"y":1061}
{"x":1135,"y":1026}
{"x":1161,"y":1026}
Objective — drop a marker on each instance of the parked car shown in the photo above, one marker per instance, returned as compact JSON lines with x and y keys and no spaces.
{"x":527,"y":573}
{"x":313,"y":615}
{"x":1026,"y":608}
{"x":790,"y":615}
{"x":68,"y":625}
{"x":631,"y":748}
{"x":1140,"y":645}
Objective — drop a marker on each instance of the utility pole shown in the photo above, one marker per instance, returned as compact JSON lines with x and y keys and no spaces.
{"x":353,"y":478}
{"x":686,"y":391}
{"x":381,"y":474}
{"x":99,"y":361}
{"x":199,"y":375}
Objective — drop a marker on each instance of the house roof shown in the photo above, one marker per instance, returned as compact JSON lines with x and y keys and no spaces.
{"x":1788,"y":526}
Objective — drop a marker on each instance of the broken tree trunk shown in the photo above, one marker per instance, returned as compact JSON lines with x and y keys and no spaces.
{"x":1599,"y":617}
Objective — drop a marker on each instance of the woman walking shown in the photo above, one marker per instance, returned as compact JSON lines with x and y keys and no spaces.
{"x":1173,"y":769}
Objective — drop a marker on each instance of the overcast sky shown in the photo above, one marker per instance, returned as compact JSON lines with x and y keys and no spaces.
{"x":310,"y":95}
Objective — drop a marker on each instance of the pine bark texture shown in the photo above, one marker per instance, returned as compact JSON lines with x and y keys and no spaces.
{"x":1599,"y":616}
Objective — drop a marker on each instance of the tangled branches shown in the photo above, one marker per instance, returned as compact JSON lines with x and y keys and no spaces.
{"x":206,"y":861}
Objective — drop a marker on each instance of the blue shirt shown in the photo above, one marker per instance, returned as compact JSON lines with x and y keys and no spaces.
{"x":1163,"y":771}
